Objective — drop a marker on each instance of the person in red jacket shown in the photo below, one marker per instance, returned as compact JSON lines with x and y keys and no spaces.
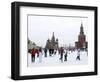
{"x":33,"y":52}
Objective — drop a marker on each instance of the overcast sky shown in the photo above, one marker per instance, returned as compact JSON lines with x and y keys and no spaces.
{"x":66,"y":29}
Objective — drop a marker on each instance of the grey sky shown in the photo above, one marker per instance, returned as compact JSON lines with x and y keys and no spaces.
{"x":66,"y":29}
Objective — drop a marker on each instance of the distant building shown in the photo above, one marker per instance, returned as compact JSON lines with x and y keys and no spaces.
{"x":81,"y":43}
{"x":31,"y":45}
{"x":52,"y":44}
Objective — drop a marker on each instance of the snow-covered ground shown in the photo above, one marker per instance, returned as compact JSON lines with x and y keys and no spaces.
{"x":54,"y":59}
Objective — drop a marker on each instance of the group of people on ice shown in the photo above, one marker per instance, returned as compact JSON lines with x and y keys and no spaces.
{"x":54,"y":51}
{"x":63,"y":53}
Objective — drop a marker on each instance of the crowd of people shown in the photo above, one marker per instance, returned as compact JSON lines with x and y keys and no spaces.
{"x":63,"y":53}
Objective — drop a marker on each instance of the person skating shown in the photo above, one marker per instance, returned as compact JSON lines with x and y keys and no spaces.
{"x":33,"y":52}
{"x":78,"y":55}
{"x":49,"y":52}
{"x":65,"y":56}
{"x":61,"y":54}
{"x":52,"y":51}
{"x":45,"y":51}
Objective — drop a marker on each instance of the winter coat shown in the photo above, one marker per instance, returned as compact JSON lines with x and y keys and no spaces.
{"x":62,"y":50}
{"x":33,"y":51}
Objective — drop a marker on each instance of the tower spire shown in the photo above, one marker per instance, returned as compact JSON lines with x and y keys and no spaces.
{"x":81,"y":29}
{"x":53,"y":37}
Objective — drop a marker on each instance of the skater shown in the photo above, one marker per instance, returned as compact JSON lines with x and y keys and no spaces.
{"x":65,"y":56}
{"x":40,"y":55}
{"x":33,"y":52}
{"x":61,"y":54}
{"x":50,"y":52}
{"x":78,"y":55}
{"x":45,"y":51}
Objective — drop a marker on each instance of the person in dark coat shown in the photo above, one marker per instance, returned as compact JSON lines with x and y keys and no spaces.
{"x":65,"y":56}
{"x":61,"y":53}
{"x":50,"y":52}
{"x":45,"y":51}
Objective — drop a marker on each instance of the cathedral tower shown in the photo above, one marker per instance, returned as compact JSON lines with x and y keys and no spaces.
{"x":52,"y":44}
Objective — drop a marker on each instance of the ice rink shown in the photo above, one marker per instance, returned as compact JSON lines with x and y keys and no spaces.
{"x":55,"y":61}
